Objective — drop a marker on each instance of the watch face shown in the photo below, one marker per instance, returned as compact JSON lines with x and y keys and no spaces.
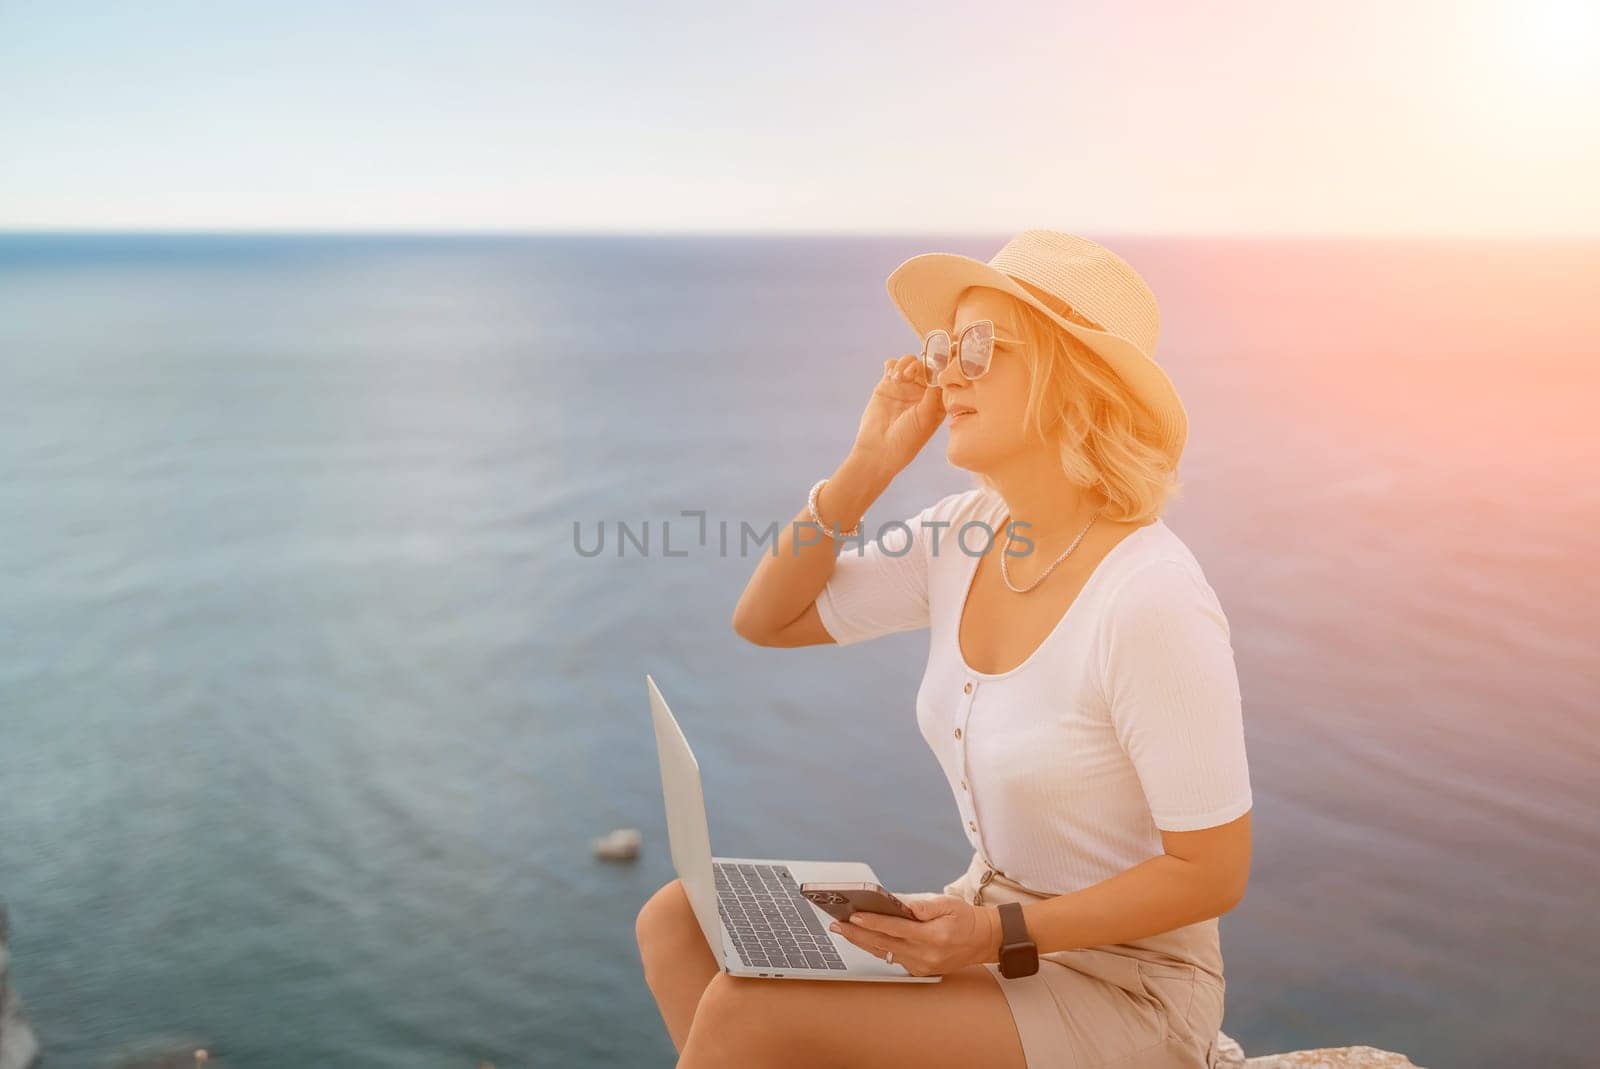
{"x":1019,"y":959}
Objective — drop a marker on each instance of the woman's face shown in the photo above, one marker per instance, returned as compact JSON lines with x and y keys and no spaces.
{"x":985,"y":416}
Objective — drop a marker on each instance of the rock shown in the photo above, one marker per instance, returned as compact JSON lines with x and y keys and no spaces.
{"x":18,"y":1048}
{"x":621,"y":844}
{"x":1231,"y":1056}
{"x":1334,"y":1058}
{"x":167,"y":1052}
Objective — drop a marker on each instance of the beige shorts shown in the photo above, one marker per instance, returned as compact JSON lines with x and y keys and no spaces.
{"x":1155,"y":1003}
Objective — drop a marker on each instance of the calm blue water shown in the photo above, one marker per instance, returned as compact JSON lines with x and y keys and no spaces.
{"x":309,"y":709}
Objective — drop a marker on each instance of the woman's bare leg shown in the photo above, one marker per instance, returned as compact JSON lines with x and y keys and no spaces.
{"x":677,"y":963}
{"x":958,"y":1023}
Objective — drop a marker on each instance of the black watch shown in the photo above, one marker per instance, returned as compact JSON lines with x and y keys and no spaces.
{"x":1018,"y":954}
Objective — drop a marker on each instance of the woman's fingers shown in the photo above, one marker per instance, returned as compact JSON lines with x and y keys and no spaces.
{"x":903,"y":381}
{"x":873,"y":942}
{"x":906,"y":374}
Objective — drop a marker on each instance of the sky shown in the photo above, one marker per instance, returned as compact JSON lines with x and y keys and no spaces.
{"x":1253,"y":118}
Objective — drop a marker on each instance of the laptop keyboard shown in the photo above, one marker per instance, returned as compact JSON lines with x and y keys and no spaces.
{"x":771,"y":924}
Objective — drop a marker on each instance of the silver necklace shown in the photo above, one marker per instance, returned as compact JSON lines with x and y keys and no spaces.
{"x":1004,"y":553}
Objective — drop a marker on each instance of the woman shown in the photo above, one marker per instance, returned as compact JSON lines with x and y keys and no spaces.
{"x":1080,"y":696}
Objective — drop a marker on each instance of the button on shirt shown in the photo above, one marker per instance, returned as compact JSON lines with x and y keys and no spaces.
{"x":1125,"y":721}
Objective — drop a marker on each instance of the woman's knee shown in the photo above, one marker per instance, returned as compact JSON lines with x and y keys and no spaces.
{"x":739,"y":1023}
{"x":666,"y":923}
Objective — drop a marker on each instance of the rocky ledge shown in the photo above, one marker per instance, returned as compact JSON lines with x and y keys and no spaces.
{"x":1233,"y":1057}
{"x":18,"y":1049}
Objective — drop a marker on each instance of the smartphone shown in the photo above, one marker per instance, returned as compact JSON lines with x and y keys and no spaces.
{"x":839,"y":900}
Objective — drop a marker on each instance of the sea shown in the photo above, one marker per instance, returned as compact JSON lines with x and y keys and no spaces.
{"x":314,"y":696}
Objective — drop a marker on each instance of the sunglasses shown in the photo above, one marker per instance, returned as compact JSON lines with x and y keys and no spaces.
{"x":973,"y":351}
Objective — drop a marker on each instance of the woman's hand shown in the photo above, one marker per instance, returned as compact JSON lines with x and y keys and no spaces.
{"x":901,"y":416}
{"x":949,"y":933}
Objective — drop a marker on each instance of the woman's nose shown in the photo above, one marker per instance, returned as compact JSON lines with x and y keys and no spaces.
{"x":950,"y":375}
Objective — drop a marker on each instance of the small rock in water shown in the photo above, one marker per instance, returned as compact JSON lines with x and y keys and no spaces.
{"x":621,"y":844}
{"x":163,"y":1053}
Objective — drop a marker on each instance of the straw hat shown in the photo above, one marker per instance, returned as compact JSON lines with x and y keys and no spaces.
{"x":1085,"y":288}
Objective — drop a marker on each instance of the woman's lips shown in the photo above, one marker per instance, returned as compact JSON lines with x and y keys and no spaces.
{"x":960,"y":414}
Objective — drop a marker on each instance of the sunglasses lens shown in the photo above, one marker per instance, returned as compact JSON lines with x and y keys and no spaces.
{"x":936,"y":353}
{"x":977,"y":349}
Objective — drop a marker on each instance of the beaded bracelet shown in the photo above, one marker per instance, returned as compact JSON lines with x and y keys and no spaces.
{"x":811,"y":506}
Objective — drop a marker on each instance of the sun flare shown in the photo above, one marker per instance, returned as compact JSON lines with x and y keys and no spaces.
{"x":1560,"y":40}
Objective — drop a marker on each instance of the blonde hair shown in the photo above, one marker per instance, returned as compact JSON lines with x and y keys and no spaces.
{"x":1107,"y":440}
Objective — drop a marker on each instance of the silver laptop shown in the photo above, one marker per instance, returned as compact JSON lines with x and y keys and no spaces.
{"x":750,"y":909}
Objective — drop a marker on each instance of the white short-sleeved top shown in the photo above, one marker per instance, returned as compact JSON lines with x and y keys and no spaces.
{"x":1124,"y":722}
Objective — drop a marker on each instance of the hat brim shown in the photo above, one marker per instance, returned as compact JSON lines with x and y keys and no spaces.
{"x":925,"y":289}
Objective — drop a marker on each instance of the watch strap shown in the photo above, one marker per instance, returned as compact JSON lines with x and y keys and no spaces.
{"x":1012,"y":928}
{"x":1019,"y":956}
